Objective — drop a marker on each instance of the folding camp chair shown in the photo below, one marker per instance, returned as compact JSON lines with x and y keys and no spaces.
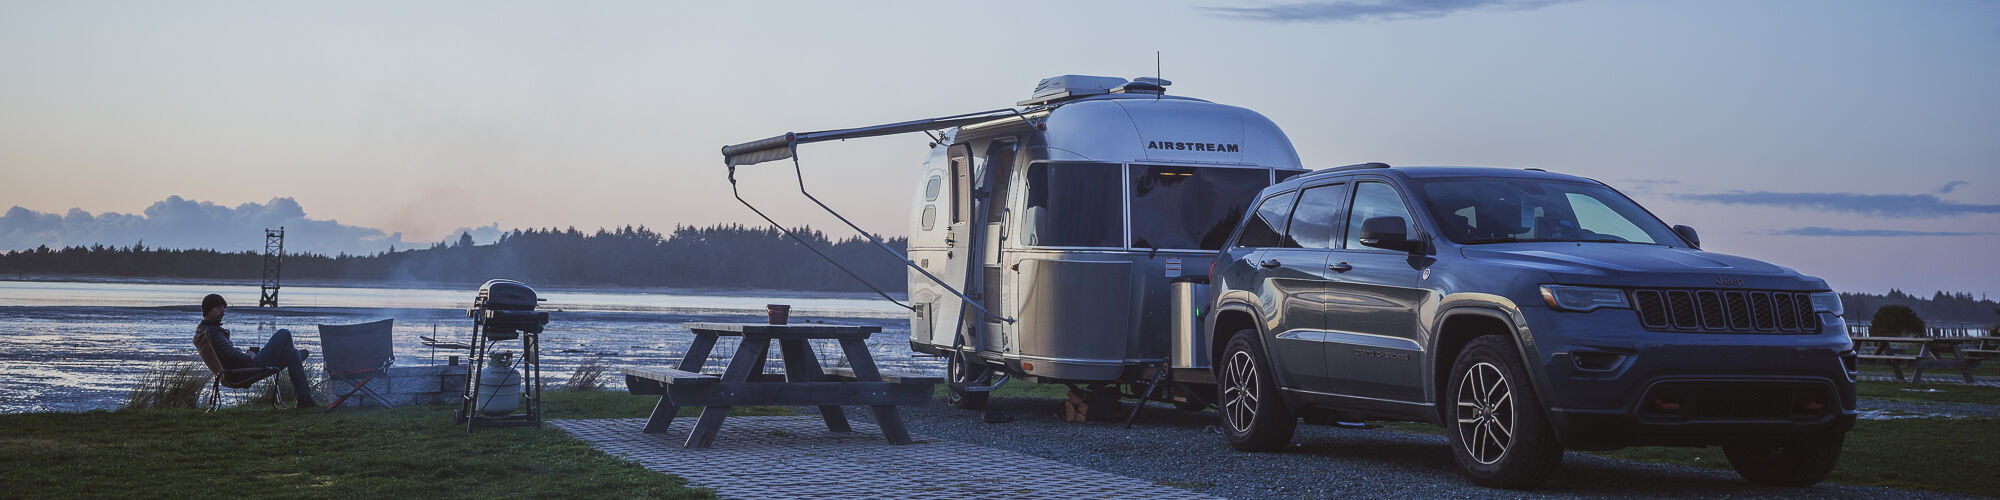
{"x":358,"y":354}
{"x":234,"y":378}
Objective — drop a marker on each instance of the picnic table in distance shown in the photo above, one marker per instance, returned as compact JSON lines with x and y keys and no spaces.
{"x":1878,"y":349}
{"x":804,"y":383}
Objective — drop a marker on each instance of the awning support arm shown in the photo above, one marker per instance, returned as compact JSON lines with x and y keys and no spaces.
{"x":800,"y":172}
{"x":802,"y":242}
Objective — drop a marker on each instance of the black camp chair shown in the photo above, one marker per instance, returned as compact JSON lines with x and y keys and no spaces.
{"x":358,"y":354}
{"x":234,"y":378}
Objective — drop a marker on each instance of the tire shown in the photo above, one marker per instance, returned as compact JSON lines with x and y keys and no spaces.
{"x":1254,"y":416}
{"x":1499,"y":433}
{"x":1788,"y":465}
{"x":958,"y":376}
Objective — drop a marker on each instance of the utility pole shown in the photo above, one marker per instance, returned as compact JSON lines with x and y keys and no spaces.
{"x":274,"y":254}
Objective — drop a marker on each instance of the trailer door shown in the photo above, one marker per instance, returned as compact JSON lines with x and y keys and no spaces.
{"x":997,"y":174}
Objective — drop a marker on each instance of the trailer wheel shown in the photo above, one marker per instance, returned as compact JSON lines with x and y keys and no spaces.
{"x":1499,"y":435}
{"x":1254,"y":417}
{"x":958,"y":375}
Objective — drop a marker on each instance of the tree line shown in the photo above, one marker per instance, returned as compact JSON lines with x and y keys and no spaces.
{"x":723,"y":256}
{"x":1940,"y":306}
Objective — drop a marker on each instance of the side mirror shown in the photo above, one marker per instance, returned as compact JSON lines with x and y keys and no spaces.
{"x":1388,"y":233}
{"x":1687,"y":233}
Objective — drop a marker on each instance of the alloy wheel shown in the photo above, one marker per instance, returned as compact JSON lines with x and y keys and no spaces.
{"x":1485,"y":413}
{"x":1239,"y":393}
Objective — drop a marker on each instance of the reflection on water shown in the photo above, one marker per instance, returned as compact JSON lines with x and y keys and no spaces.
{"x":81,"y":346}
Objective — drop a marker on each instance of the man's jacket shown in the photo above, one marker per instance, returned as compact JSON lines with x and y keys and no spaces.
{"x":218,"y":338}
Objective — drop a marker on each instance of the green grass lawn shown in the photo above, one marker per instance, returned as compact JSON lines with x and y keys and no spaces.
{"x":373,"y":453}
{"x":1935,"y":454}
{"x":1954,"y":393}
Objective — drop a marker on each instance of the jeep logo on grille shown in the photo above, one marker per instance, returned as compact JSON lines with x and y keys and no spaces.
{"x":1728,"y":281}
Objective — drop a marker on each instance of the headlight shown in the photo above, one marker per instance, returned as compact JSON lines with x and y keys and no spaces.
{"x":1827,"y":302}
{"x":1579,"y":298}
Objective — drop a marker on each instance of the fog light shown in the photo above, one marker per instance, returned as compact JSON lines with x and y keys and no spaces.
{"x":1666,"y":405}
{"x":1811,"y":405}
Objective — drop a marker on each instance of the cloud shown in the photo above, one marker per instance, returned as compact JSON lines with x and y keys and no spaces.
{"x":1353,"y":11}
{"x":1866,"y":233}
{"x":186,"y":224}
{"x":1899,"y":206}
{"x":1950,"y":186}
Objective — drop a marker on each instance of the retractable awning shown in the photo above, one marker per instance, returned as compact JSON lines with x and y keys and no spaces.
{"x":780,"y":147}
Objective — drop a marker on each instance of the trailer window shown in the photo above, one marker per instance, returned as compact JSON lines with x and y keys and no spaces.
{"x":1190,"y":207}
{"x":1073,"y":205}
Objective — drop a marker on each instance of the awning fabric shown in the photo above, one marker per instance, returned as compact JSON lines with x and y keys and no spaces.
{"x":780,"y":147}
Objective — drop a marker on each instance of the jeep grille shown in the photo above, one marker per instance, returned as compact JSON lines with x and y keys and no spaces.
{"x":1738,"y":311}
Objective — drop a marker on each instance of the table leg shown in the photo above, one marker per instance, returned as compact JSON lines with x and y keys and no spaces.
{"x":802,"y":366}
{"x":1923,"y":353}
{"x":748,"y":357}
{"x":696,"y":355}
{"x":886,"y":416}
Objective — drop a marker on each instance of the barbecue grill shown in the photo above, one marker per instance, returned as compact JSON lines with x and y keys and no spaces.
{"x":504,"y":310}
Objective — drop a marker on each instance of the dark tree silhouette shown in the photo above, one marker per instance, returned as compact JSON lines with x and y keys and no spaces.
{"x":1895,"y":320}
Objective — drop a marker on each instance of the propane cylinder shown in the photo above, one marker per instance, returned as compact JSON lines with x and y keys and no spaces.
{"x":499,"y":386}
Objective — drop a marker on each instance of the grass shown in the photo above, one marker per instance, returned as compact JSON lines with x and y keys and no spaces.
{"x":373,"y":453}
{"x":1934,"y":454}
{"x":1951,"y":393}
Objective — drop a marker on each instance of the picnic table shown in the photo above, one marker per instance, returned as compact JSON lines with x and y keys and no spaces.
{"x":804,"y":383}
{"x":1985,"y":347}
{"x":1881,"y":349}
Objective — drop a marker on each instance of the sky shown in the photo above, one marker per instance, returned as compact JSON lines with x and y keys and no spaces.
{"x":1858,"y":141}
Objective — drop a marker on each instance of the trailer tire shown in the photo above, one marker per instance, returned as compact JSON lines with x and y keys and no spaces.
{"x":1254,"y":416}
{"x":958,"y":376}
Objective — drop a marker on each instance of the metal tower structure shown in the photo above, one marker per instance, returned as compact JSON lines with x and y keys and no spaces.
{"x":274,"y":255}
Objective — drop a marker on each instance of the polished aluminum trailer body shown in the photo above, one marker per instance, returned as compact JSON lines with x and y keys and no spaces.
{"x":1071,"y":218}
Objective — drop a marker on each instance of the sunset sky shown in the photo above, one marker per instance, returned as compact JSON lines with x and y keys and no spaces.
{"x":1854,"y":140}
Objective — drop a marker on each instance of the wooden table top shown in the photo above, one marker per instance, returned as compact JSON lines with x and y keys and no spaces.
{"x":795,"y":330}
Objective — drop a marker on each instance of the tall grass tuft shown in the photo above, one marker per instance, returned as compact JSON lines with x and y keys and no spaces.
{"x":588,"y":376}
{"x":281,"y":384}
{"x":174,"y":385}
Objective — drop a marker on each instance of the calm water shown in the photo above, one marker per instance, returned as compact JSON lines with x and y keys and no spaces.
{"x":69,"y":346}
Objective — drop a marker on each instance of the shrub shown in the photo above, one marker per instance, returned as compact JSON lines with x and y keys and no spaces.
{"x":173,"y":385}
{"x":1895,"y":320}
{"x":588,"y":376}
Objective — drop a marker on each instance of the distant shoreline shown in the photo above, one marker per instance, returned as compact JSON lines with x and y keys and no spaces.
{"x":410,"y":285}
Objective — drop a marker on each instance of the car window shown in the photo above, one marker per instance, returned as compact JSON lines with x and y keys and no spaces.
{"x":1371,"y":200}
{"x":1316,"y":217}
{"x":1482,"y":210}
{"x":1268,"y":222}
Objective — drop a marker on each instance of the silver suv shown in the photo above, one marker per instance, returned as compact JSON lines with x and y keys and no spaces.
{"x":1527,"y":313}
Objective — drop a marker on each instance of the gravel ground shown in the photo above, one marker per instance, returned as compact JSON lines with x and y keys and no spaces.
{"x":1183,"y":449}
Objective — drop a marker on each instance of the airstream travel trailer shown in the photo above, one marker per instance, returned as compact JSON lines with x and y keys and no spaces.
{"x":1043,"y":238}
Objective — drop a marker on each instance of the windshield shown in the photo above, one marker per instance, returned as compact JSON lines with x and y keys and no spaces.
{"x":1487,"y":210}
{"x":1190,"y":207}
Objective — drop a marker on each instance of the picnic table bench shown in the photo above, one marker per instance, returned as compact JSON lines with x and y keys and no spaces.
{"x":1987,"y":347}
{"x":804,"y":383}
{"x":1881,"y":350}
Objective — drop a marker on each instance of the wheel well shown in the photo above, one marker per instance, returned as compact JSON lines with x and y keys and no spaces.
{"x":1459,"y":330}
{"x":1227,"y":322}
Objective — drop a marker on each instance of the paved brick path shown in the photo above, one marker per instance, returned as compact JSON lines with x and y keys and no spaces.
{"x":796,"y":457}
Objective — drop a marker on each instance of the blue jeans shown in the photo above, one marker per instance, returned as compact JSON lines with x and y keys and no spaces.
{"x":279,"y":352}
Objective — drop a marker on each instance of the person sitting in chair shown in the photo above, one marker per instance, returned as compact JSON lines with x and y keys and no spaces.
{"x":276,"y":352}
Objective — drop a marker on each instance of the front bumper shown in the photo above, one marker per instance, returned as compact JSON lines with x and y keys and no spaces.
{"x":1609,"y":383}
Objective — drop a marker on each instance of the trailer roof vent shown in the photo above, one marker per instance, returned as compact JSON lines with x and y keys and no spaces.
{"x":1143,"y":85}
{"x":1057,"y":88}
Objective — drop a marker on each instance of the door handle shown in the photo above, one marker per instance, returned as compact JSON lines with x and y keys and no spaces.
{"x":1270,"y":263}
{"x":1340,"y":267}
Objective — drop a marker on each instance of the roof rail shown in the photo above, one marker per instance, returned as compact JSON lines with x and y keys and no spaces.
{"x":1359,"y":166}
